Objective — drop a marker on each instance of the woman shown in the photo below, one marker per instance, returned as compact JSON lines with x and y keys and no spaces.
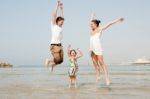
{"x":56,"y":29}
{"x":95,"y":46}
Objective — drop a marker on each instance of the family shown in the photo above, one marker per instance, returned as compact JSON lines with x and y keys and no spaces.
{"x":56,"y":48}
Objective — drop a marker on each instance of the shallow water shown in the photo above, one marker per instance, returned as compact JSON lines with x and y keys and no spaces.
{"x":37,"y":82}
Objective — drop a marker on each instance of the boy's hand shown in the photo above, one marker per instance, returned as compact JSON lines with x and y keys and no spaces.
{"x":69,"y":46}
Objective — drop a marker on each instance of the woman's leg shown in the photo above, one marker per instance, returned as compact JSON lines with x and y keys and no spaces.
{"x":101,"y":62}
{"x":97,"y":68}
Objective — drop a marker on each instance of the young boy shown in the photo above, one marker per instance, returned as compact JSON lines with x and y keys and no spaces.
{"x":73,"y":66}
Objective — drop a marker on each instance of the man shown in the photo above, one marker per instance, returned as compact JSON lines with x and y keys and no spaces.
{"x":56,"y":47}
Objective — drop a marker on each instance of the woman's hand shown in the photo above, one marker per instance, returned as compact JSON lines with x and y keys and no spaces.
{"x":121,"y":19}
{"x":92,"y":17}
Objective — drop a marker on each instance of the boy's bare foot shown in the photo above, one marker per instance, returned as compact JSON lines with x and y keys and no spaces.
{"x":69,"y":86}
{"x":75,"y":85}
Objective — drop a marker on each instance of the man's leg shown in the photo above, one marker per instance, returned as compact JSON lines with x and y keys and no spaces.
{"x":57,"y":55}
{"x":56,"y":60}
{"x":61,"y":55}
{"x":48,"y":62}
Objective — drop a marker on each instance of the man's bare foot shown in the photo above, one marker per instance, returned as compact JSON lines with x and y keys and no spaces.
{"x":48,"y":62}
{"x":52,"y":67}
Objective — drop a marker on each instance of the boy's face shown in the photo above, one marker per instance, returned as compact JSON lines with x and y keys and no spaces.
{"x":73,"y":53}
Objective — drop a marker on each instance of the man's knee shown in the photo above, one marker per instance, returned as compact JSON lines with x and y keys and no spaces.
{"x":58,"y":58}
{"x":58,"y":61}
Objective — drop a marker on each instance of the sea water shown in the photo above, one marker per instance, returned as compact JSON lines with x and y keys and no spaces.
{"x":38,"y":82}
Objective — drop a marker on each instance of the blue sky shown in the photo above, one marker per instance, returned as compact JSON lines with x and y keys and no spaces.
{"x":25,"y":29}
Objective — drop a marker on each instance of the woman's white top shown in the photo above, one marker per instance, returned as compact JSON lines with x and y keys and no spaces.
{"x":56,"y":36}
{"x":95,"y":43}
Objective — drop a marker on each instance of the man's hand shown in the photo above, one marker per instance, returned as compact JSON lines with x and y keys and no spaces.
{"x":61,"y":5}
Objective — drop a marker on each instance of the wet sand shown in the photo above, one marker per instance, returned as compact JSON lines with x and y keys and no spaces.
{"x":128,"y":82}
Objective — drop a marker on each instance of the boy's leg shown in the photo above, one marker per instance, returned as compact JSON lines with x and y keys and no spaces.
{"x":70,"y":83}
{"x":75,"y":82}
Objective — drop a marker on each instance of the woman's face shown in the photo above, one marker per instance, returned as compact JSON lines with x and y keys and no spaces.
{"x":73,"y":53}
{"x":93,"y":26}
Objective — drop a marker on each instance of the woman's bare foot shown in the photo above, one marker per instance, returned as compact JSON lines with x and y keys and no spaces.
{"x":108,"y":83}
{"x":98,"y":79}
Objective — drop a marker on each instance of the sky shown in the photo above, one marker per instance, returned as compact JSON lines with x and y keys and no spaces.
{"x":25,"y":29}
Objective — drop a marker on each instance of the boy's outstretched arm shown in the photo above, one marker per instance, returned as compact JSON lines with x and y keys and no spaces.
{"x":81,"y":54}
{"x":68,"y":50}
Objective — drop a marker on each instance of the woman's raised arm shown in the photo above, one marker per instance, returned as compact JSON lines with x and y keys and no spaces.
{"x":92,"y":17}
{"x":112,"y":23}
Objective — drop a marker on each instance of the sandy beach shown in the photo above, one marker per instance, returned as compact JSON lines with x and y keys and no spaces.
{"x":37,"y":82}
